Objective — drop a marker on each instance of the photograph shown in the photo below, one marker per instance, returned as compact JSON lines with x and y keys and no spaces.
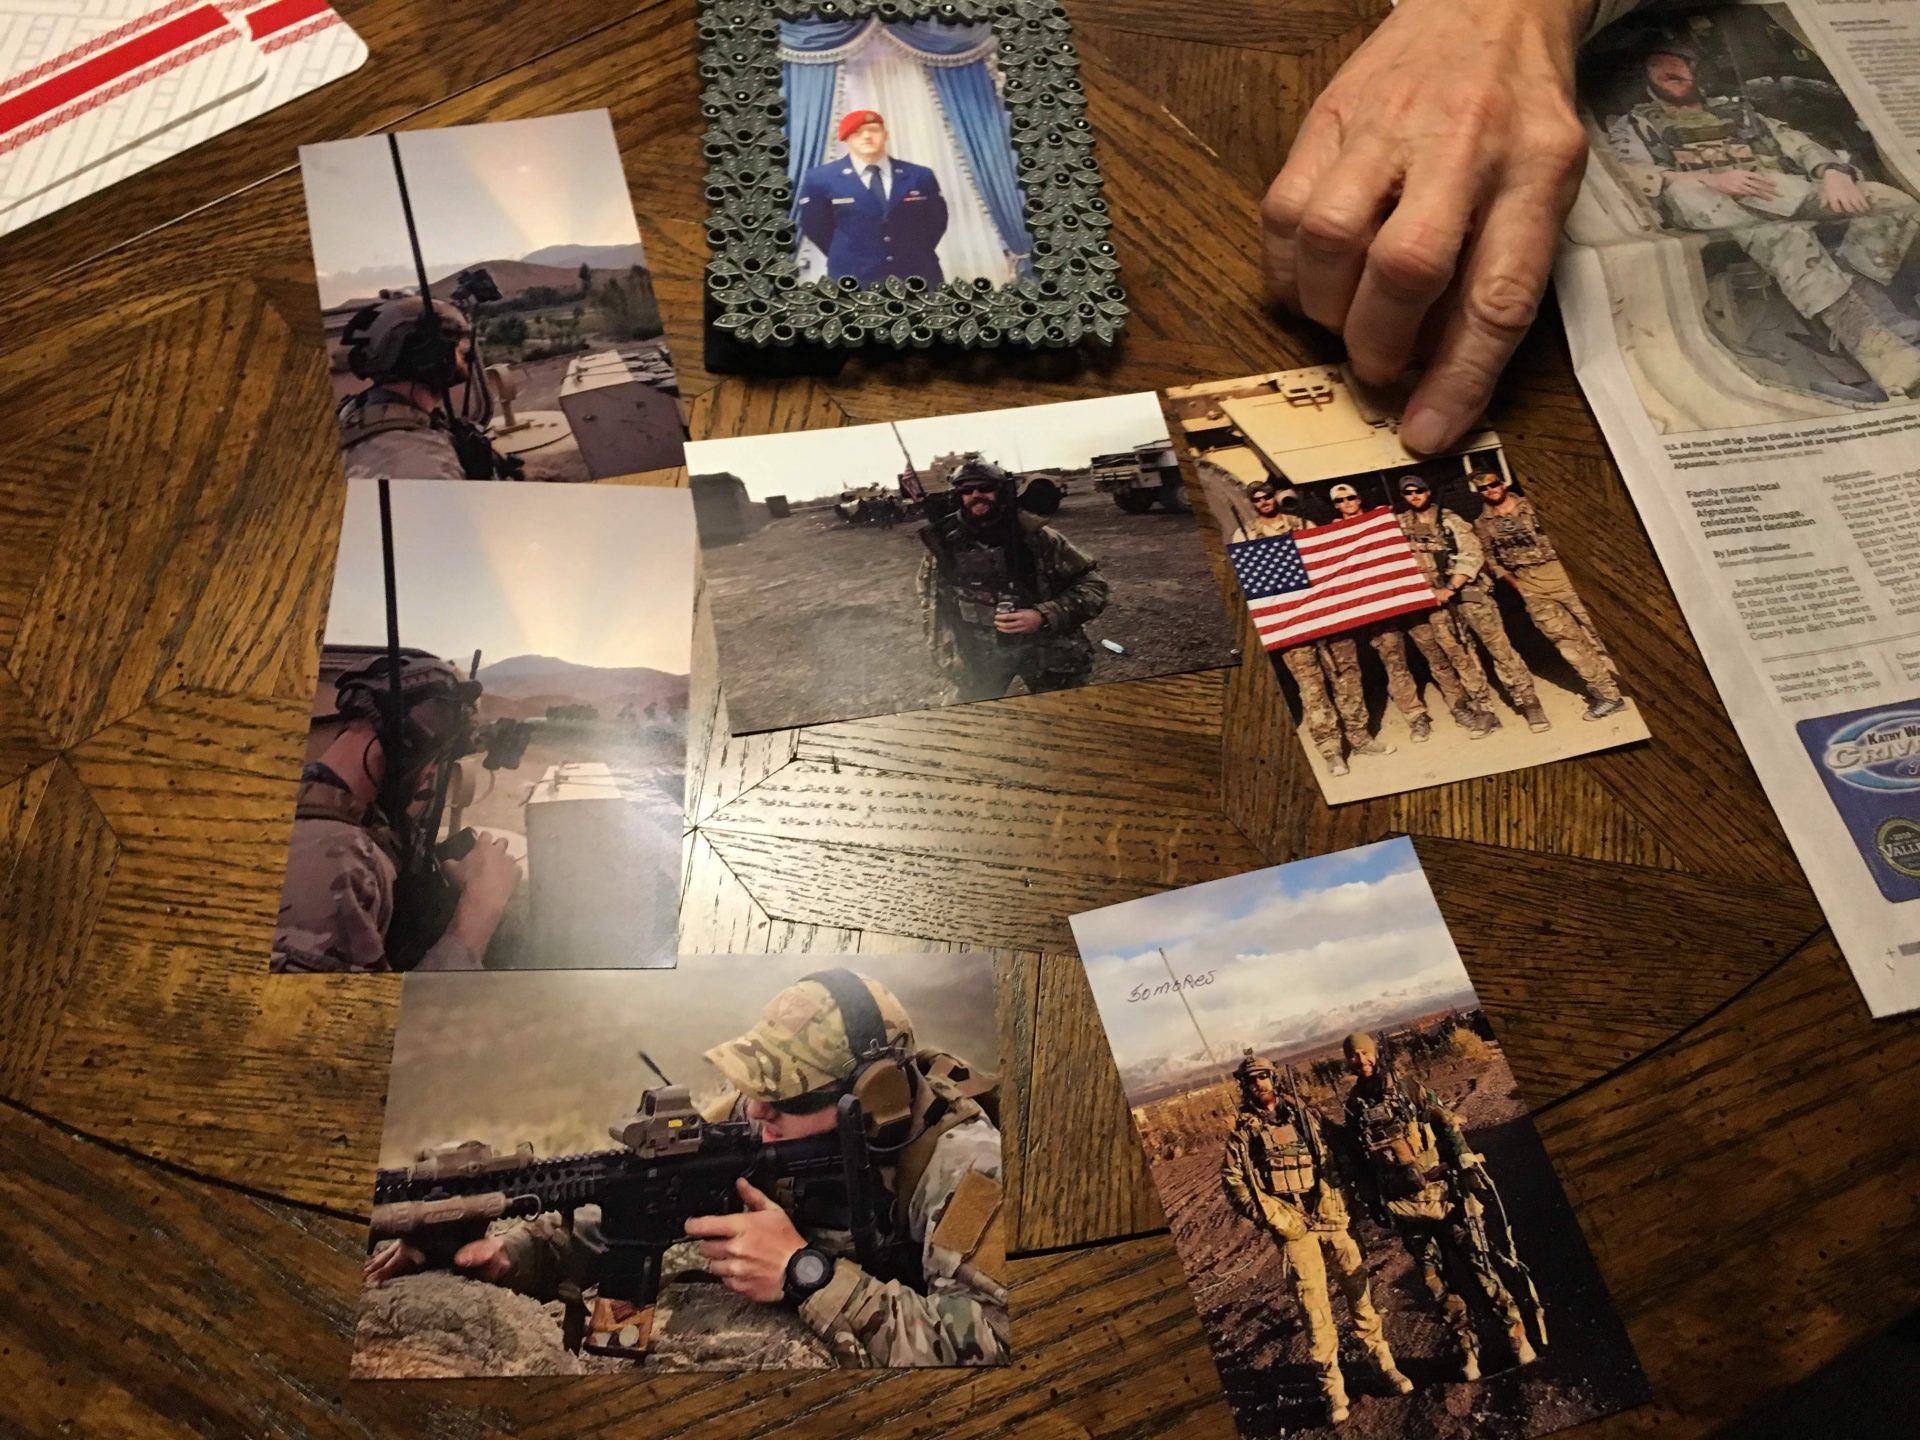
{"x":879,"y":568}
{"x":539,"y":356}
{"x":1419,"y":617}
{"x":496,"y":763}
{"x":753,"y":1162}
{"x":901,"y":152}
{"x":1869,"y":760}
{"x":1373,"y":1233}
{"x":1789,"y":260}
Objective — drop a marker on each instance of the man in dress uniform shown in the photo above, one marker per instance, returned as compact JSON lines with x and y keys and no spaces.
{"x":1714,"y":162}
{"x":873,"y":216}
{"x":1276,"y":1174}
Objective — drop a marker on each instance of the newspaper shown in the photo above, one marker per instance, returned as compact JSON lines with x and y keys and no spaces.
{"x":1739,"y":294}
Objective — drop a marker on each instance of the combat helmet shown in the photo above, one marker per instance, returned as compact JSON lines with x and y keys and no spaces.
{"x":818,"y":1034}
{"x":389,"y":340}
{"x":1252,"y":1068}
{"x":367,"y":694}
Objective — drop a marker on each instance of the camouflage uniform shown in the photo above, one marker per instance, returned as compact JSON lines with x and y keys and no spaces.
{"x":1326,"y":672}
{"x":1448,"y":550}
{"x":384,"y":437}
{"x":1407,"y":1134}
{"x":1517,"y":548}
{"x":958,"y":1314}
{"x":1270,"y":1177}
{"x":336,"y":903}
{"x":1044,"y":571}
{"x":1725,"y":133}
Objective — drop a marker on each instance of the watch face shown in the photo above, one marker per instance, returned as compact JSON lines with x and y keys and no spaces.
{"x":809,"y":1269}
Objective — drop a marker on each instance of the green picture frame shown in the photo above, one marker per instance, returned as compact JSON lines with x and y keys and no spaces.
{"x":755,"y":295}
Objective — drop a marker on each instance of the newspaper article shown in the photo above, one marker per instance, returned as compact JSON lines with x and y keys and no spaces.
{"x":1740,"y":296}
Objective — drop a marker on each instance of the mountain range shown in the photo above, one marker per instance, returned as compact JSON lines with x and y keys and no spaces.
{"x":554,"y":265}
{"x":526,"y":685}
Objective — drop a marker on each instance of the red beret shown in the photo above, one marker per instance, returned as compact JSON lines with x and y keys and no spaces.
{"x":854,"y":119}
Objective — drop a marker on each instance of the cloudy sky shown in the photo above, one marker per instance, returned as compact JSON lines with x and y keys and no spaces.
{"x":812,"y":463}
{"x":1316,"y":935}
{"x":592,"y":574}
{"x":479,"y":192}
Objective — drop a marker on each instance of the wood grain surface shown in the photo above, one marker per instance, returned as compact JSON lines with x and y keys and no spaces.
{"x":186,"y":1146}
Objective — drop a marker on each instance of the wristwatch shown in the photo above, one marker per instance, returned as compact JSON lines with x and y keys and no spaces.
{"x":808,"y":1271}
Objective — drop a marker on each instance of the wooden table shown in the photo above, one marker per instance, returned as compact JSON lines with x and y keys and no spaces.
{"x":185,"y":1146}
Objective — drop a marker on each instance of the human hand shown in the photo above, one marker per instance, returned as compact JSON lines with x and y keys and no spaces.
{"x":1019,"y":622}
{"x":1738,"y":182}
{"x":487,"y":876}
{"x":484,"y":1259}
{"x":1420,"y":206}
{"x":1841,"y":193}
{"x":391,"y":1261}
{"x":749,"y":1251}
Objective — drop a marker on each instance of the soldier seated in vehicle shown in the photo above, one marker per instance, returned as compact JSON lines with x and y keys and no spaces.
{"x":829,"y":1035}
{"x":337,"y":903}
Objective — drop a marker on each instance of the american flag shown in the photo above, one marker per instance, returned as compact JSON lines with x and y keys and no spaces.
{"x":1328,"y":578}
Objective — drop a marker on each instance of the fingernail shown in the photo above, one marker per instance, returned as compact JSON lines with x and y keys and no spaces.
{"x":1424,"y":428}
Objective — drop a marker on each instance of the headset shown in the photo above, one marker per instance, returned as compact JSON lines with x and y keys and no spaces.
{"x":881,"y":1080}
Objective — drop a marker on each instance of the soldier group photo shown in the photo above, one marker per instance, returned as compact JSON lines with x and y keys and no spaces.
{"x":759,"y":1162}
{"x":1373,"y":1232}
{"x":1722,"y":123}
{"x":880,"y":568}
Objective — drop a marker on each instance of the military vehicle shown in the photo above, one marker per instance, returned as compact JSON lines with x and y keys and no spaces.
{"x":868,"y":505}
{"x":1142,"y":477}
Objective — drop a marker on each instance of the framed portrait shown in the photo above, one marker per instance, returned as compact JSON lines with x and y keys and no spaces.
{"x":902,"y":173}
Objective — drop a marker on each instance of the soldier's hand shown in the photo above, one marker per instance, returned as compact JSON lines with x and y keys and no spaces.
{"x":749,"y":1251}
{"x":1019,"y":622}
{"x":1842,"y":194}
{"x":391,"y":1261}
{"x":484,"y":1259}
{"x":487,"y":876}
{"x":1739,"y":182}
{"x":1420,"y":206}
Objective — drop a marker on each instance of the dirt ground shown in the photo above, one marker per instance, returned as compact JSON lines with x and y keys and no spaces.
{"x":1260,"y":1348}
{"x":819,"y":620}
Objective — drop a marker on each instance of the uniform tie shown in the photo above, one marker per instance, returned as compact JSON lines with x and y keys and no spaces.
{"x":874,"y":185}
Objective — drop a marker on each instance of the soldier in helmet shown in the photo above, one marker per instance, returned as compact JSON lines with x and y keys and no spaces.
{"x":1518,"y":551}
{"x":1333,"y":704}
{"x":355,"y":804}
{"x":400,"y":425}
{"x":1276,"y":1174}
{"x":1003,"y":596}
{"x":1430,"y":1182}
{"x":1714,"y":162}
{"x":834,"y":1033}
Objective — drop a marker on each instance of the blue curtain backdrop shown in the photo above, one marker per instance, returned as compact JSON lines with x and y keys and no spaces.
{"x":966,"y":93}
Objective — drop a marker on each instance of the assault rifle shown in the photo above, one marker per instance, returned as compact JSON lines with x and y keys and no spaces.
{"x":670,"y":1166}
{"x":1505,"y":1252}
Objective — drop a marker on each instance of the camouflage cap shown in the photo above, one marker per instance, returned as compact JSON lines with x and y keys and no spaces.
{"x":1361,"y":1043}
{"x":800,"y":1044}
{"x":1483,"y":479}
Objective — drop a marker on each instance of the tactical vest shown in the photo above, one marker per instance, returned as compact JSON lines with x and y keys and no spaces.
{"x":1282,"y":1159}
{"x":1432,"y":542}
{"x":323,"y":800}
{"x":983,"y":577}
{"x":1719,"y":136}
{"x":1400,"y":1146}
{"x":361,"y":418}
{"x":1517,"y":540}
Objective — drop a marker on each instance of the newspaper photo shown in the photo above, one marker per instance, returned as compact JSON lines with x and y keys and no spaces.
{"x":1739,"y":293}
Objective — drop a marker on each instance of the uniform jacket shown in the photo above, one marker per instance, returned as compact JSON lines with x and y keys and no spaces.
{"x":1445,"y":544}
{"x":1724,"y":133}
{"x":1269,"y":1174}
{"x":394,"y":440}
{"x":960,"y":1318}
{"x":1515,"y":540}
{"x":1406,"y":1131}
{"x":337,"y":900}
{"x":1068,"y":589}
{"x":866,"y":239}
{"x":1261,"y":527}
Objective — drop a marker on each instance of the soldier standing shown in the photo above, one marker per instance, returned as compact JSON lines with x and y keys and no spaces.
{"x":1333,"y":701}
{"x":1450,"y":553}
{"x":1717,"y":163}
{"x":399,"y":426}
{"x":1519,"y":552}
{"x":1276,"y":1174}
{"x":337,"y":901}
{"x":832,"y":1034}
{"x":1430,"y":1180}
{"x":1003,"y":596}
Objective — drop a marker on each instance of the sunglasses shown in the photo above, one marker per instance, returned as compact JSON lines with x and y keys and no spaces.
{"x":976,"y":487}
{"x":811,"y":1103}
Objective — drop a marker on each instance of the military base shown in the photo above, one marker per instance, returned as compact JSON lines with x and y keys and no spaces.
{"x":833,"y":561}
{"x":566,"y":1064}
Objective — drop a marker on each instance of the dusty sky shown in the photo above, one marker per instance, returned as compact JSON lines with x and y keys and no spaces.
{"x":592,"y":574}
{"x":550,"y":1056}
{"x":480,"y":192}
{"x":1310,"y":936}
{"x":811,"y":463}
